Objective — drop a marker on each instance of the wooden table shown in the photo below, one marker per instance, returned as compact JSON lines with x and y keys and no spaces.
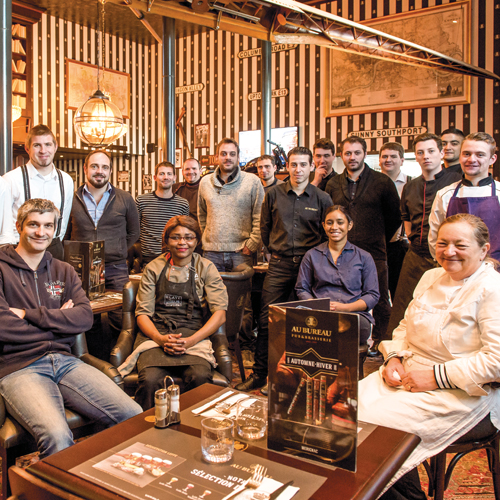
{"x":110,"y":301}
{"x":379,"y":456}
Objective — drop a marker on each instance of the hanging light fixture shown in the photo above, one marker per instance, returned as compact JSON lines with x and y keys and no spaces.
{"x":99,"y":122}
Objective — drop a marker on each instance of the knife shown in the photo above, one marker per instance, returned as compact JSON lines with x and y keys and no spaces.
{"x":216,"y":403}
{"x":276,"y":493}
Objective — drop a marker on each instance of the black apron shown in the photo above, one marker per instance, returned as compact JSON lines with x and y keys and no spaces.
{"x":56,"y":248}
{"x":177,"y":310}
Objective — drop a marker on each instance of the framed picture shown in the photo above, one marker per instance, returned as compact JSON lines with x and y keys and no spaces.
{"x":358,"y":84}
{"x":147,"y":182}
{"x":81,"y":83}
{"x":202,"y":135}
{"x":123,"y":176}
{"x":178,"y":158}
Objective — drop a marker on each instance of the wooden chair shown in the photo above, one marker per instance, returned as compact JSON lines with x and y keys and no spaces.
{"x":26,"y":486}
{"x":484,"y":436}
{"x":125,"y":345}
{"x":15,"y":441}
{"x":239,"y":286}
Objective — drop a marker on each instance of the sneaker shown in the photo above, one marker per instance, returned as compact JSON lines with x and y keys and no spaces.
{"x":248,"y":359}
{"x":251,"y":383}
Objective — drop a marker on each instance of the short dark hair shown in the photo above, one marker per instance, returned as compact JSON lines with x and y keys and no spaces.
{"x":271,"y":158}
{"x":191,"y":159}
{"x":427,"y":136}
{"x":483,"y":137}
{"x":92,"y":153}
{"x":164,"y":164}
{"x":340,"y":208}
{"x":324,"y":144}
{"x":180,"y":220}
{"x":393,"y":146}
{"x":36,"y":131}
{"x":36,"y":205}
{"x":228,"y":140}
{"x":453,"y":130}
{"x":353,"y":139}
{"x":301,"y":150}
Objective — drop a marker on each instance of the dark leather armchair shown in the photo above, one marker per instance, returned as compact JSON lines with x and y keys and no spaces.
{"x":125,"y":344}
{"x":15,"y":441}
{"x":239,"y":285}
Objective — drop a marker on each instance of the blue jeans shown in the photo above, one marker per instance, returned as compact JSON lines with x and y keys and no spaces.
{"x":37,"y":394}
{"x":227,"y":262}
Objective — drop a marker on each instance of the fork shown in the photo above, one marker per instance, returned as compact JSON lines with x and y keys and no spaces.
{"x":252,"y":483}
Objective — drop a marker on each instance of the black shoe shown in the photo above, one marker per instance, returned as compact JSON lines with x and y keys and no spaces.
{"x":251,"y":383}
{"x":373,"y":352}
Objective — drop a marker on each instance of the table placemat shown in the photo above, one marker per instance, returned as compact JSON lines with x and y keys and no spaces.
{"x":173,"y":467}
{"x":193,"y":420}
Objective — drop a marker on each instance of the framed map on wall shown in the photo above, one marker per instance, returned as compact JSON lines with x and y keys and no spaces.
{"x":358,"y":84}
{"x":81,"y":83}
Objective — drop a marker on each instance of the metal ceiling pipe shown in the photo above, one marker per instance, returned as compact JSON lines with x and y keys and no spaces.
{"x":168,"y":52}
{"x":265,"y":103}
{"x":5,"y":86}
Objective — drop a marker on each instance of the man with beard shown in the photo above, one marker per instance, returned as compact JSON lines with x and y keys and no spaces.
{"x":266,"y":170}
{"x":452,"y":139}
{"x":40,"y":179}
{"x":373,"y":202}
{"x":156,"y":209}
{"x":229,"y":205}
{"x":103,"y":212}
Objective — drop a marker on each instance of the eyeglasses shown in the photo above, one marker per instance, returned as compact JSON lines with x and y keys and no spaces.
{"x":187,"y":239}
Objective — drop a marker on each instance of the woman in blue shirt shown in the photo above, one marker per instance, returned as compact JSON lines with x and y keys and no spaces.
{"x":341,"y":272}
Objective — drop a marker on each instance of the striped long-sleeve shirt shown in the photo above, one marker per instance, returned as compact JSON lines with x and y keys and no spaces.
{"x":154,"y":213}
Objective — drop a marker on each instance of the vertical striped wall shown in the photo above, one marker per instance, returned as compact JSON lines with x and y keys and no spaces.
{"x":54,"y":40}
{"x":212,"y":59}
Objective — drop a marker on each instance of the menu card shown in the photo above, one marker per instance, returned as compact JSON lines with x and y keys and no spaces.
{"x":313,"y":382}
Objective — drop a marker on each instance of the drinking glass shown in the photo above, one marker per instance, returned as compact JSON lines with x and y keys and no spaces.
{"x":251,"y":418}
{"x":217,"y":439}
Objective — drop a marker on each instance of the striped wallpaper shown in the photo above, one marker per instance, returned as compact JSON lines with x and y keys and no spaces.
{"x":212,"y":59}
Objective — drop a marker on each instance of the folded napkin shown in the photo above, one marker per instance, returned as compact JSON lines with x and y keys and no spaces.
{"x":268,"y":486}
{"x":201,"y":409}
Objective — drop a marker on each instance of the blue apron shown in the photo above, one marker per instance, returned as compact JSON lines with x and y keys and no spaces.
{"x":487,"y":208}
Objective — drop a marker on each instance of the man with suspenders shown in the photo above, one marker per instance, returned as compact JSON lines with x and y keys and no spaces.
{"x":40,"y":179}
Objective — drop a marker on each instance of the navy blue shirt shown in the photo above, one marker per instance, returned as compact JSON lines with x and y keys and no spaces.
{"x":354,"y":277}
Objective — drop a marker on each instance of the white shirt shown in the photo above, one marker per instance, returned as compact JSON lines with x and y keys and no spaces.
{"x":45,"y":187}
{"x":6,"y":228}
{"x":442,"y":200}
{"x":400,"y":182}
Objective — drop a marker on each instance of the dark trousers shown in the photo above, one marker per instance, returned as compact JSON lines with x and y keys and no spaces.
{"x":279,"y":286}
{"x":396,"y":252}
{"x":151,"y":379}
{"x":382,"y":311}
{"x":406,"y":488}
{"x":414,"y":266}
{"x":102,"y":337}
{"x":228,"y":261}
